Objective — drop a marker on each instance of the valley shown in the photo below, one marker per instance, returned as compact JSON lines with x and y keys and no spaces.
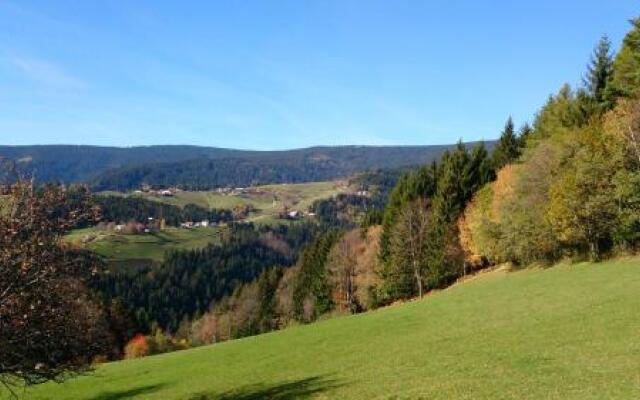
{"x":296,"y":200}
{"x":269,"y":205}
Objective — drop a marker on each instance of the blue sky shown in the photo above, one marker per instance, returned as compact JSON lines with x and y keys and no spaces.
{"x":285,"y":74}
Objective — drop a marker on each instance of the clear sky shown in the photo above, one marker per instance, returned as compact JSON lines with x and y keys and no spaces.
{"x":284,"y":74}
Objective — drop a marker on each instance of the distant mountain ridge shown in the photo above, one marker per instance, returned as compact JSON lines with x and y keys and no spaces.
{"x":196,"y":167}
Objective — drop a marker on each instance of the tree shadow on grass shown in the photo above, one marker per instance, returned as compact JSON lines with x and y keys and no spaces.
{"x":300,"y":389}
{"x":127,"y":394}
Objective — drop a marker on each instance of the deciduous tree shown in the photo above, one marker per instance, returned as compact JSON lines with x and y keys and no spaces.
{"x":49,"y":326}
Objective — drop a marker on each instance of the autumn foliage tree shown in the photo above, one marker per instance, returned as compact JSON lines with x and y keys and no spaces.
{"x":582,"y":209}
{"x":575,"y":190}
{"x":49,"y":326}
{"x":137,"y":347}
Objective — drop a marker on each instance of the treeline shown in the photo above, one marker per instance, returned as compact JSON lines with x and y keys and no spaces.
{"x":419,"y":249}
{"x":335,"y":274}
{"x":575,"y":190}
{"x":121,"y":209}
{"x":568,"y":186}
{"x":69,"y":164}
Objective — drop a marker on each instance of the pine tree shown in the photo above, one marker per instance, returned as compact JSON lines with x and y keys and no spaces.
{"x":508,"y":147}
{"x":599,"y":71}
{"x":625,"y":79}
{"x":525,"y":132}
{"x":409,"y":244}
{"x":267,"y":286}
{"x":478,"y":171}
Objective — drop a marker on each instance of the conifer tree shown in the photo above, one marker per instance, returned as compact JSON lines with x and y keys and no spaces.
{"x":625,"y":78}
{"x":508,"y":147}
{"x":599,"y":71}
{"x":525,"y":133}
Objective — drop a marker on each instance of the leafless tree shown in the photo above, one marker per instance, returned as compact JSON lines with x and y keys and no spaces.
{"x":343,"y":265}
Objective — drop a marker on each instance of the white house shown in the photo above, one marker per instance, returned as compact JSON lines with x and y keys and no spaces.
{"x":293,"y":214}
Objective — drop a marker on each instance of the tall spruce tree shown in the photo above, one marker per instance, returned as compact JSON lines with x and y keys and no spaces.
{"x":599,"y":71}
{"x":525,"y":132}
{"x":508,"y":147}
{"x":411,"y":186}
{"x":625,"y":79}
{"x":312,"y":284}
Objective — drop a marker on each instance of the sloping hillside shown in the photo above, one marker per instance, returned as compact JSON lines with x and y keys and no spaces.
{"x":566,"y":332}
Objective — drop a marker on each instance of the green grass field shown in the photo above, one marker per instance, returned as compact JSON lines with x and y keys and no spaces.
{"x":150,"y":246}
{"x":568,"y":332}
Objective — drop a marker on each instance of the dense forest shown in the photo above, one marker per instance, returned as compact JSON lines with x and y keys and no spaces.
{"x":79,"y":164}
{"x":205,"y":167}
{"x":187,"y":282}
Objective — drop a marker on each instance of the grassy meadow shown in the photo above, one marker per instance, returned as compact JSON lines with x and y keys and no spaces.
{"x":149,"y":246}
{"x":567,"y":332}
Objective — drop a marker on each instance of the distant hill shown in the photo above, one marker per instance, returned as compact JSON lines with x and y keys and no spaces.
{"x":197,"y":167}
{"x":69,"y":163}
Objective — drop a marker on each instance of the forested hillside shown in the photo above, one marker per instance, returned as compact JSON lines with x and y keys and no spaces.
{"x":195,"y":167}
{"x":186,"y":283}
{"x":566,"y":187}
{"x":74,"y":164}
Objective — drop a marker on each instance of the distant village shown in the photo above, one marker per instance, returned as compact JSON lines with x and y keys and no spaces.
{"x":225,"y":191}
{"x":154,"y":225}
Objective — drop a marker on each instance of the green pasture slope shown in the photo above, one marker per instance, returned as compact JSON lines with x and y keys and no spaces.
{"x":568,"y":332}
{"x":148,"y":246}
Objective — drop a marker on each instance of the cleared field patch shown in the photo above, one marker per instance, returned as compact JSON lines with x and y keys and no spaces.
{"x":150,"y":246}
